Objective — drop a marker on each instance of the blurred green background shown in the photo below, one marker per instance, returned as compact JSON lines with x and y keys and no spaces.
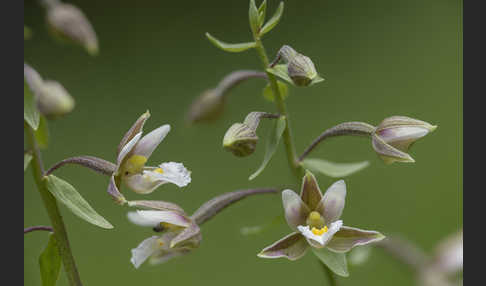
{"x":379,"y":58}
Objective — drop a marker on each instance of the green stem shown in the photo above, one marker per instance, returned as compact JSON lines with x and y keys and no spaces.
{"x":330,"y":275}
{"x":53,"y":212}
{"x":296,"y":168}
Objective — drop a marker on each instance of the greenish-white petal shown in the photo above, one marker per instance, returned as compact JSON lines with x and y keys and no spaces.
{"x":335,"y":261}
{"x":348,"y":237}
{"x":149,"y":142}
{"x":332,"y":204}
{"x":292,"y":247}
{"x":296,"y":210}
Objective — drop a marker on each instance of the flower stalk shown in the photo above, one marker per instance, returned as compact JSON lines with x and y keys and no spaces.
{"x":53,"y":211}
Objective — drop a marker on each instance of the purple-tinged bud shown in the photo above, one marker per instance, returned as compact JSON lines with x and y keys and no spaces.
{"x":207,"y":107}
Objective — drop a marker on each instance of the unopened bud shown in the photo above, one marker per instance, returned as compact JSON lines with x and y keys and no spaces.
{"x":69,"y":22}
{"x":241,"y":138}
{"x":300,"y":68}
{"x":53,"y":99}
{"x":394,"y":136}
{"x":207,"y":107}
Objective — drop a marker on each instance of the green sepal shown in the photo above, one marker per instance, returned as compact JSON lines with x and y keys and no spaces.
{"x":232,"y":48}
{"x":281,"y":71}
{"x":67,"y":194}
{"x":254,"y":18}
{"x":335,"y":261}
{"x":272,"y":143}
{"x":262,"y":11}
{"x":332,"y":169}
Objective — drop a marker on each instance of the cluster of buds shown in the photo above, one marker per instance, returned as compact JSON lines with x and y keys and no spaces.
{"x":52,"y":98}
{"x":241,"y":138}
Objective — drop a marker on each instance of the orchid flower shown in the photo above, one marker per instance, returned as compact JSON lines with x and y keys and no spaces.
{"x":314,"y":218}
{"x":132,"y":154}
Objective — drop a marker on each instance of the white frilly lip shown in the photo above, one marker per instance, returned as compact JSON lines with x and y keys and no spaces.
{"x":325,"y":237}
{"x":173,"y":172}
{"x":144,"y":250}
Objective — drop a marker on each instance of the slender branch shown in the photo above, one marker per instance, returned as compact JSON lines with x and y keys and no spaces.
{"x":97,"y":164}
{"x":234,"y":78}
{"x":297,"y":170}
{"x":347,"y":128}
{"x":404,"y":251}
{"x":53,"y":212}
{"x":217,"y":204}
{"x":330,"y":275}
{"x":38,"y":227}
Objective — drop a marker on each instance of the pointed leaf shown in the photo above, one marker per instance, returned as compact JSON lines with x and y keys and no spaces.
{"x":272,"y":143}
{"x":335,"y":261}
{"x":274,"y":20}
{"x":67,"y":194}
{"x":31,"y":114}
{"x":253,"y":15}
{"x":42,"y":133}
{"x":232,"y":48}
{"x":332,"y":169}
{"x":268,"y":92}
{"x":27,"y":159}
{"x":50,"y":262}
{"x":262,"y":11}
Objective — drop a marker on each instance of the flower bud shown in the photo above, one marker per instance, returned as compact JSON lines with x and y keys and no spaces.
{"x":300,"y":68}
{"x":394,"y":136}
{"x":240,"y":139}
{"x":207,"y":107}
{"x":69,"y":22}
{"x":53,"y":100}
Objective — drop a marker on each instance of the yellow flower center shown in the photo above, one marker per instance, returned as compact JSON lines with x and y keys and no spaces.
{"x":160,"y":242}
{"x":134,"y":164}
{"x":159,"y":170}
{"x":320,"y":231}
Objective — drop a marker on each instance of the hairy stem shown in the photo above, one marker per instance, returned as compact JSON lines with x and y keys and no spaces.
{"x":53,"y":212}
{"x":37,"y":227}
{"x":234,"y":78}
{"x":347,"y":128}
{"x":297,"y":170}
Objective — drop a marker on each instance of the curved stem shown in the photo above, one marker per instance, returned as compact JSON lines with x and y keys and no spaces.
{"x":234,"y":78}
{"x":404,"y":251}
{"x":297,"y":170}
{"x":53,"y":212}
{"x":38,"y":227}
{"x":347,"y":128}
{"x":97,"y":164}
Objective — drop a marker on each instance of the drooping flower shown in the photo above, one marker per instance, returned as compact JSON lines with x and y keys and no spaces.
{"x":315,"y":220}
{"x":132,"y":154}
{"x":179,"y":235}
{"x":394,"y":136}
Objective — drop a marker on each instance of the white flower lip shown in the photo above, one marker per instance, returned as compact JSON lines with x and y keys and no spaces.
{"x":172,"y":172}
{"x":325,"y":237}
{"x":153,"y":218}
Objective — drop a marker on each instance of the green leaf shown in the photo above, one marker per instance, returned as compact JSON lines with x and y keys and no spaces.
{"x":27,"y":159}
{"x":335,"y":261}
{"x":67,"y":194}
{"x":272,"y":143}
{"x":253,"y":15}
{"x":268,"y":92}
{"x":281,"y":71}
{"x":274,"y":20}
{"x":42,"y":133}
{"x":50,"y":262}
{"x":331,"y":169}
{"x":31,"y":114}
{"x":262,"y":11}
{"x":232,"y":48}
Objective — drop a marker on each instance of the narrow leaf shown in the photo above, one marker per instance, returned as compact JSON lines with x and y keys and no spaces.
{"x":268,"y":92}
{"x":232,"y":48}
{"x":274,"y":20}
{"x":50,"y":263}
{"x":67,"y":194}
{"x":253,"y":15}
{"x":42,"y":133}
{"x":27,"y":159}
{"x":334,"y":170}
{"x":272,"y":143}
{"x":262,"y":11}
{"x":31,"y":114}
{"x":335,"y":261}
